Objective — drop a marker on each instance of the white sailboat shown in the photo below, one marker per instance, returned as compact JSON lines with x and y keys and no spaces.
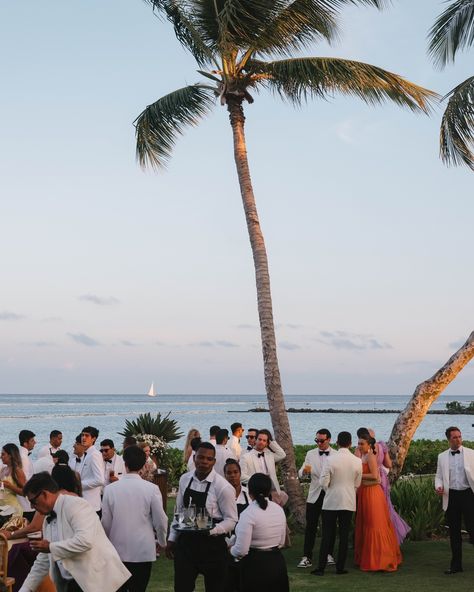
{"x":152,"y":392}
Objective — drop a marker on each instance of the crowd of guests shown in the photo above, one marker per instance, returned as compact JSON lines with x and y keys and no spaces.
{"x":100,"y":520}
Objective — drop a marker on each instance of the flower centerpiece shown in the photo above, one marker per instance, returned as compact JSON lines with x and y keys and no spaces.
{"x":157,"y":445}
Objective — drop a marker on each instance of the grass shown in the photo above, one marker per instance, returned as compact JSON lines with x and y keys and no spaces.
{"x":422,"y":570}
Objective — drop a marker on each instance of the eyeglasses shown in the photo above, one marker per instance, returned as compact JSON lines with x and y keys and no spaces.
{"x":319,"y":441}
{"x":33,"y":500}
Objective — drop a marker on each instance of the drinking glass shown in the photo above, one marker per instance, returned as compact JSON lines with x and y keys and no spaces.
{"x":190,"y":513}
{"x":201,"y":518}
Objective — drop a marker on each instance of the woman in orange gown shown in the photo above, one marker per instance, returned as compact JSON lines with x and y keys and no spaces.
{"x":376,"y":546}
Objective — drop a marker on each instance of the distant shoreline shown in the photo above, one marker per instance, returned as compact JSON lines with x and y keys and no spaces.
{"x":365,"y":411}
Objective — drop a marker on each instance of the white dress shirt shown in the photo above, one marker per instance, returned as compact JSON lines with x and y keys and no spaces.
{"x":222,"y":454}
{"x":457,"y":474}
{"x":132,"y":511}
{"x":44,"y":463}
{"x":76,"y":465}
{"x":259,"y":529}
{"x":220,"y":502}
{"x":47,"y":450}
{"x":234,"y":445}
{"x":251,"y":463}
{"x":117,"y":466}
{"x":28,"y":469}
{"x":92,"y":476}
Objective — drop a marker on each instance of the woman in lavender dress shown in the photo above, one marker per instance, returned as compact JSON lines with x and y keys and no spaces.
{"x":384,"y":463}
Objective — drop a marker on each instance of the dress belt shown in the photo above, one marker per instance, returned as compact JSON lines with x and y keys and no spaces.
{"x":270,"y":550}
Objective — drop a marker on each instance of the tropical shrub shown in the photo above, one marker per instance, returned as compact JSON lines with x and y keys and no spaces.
{"x":416,"y":501}
{"x":175,"y":467}
{"x":165,"y":428}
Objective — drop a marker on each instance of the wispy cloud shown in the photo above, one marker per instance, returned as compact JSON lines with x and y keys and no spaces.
{"x":52,"y":320}
{"x":289,"y":345}
{"x":39,"y":344}
{"x":128,"y":343}
{"x":351,"y":341}
{"x":100,"y":301}
{"x":293,"y":326}
{"x":83,"y":339}
{"x":10,"y":316}
{"x":218,"y":343}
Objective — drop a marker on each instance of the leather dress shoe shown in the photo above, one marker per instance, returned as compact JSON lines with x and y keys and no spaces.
{"x":450,"y":572}
{"x":317,"y":572}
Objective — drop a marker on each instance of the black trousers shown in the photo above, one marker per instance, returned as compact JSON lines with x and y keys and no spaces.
{"x":140,"y":577}
{"x":264,"y":571}
{"x":313,"y":512}
{"x":200,"y":554}
{"x":461,"y":505}
{"x":331,"y":519}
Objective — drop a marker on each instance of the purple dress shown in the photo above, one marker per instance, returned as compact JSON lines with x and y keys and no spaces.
{"x":401,"y":527}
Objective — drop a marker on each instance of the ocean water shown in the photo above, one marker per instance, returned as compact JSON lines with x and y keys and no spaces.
{"x":70,"y":413}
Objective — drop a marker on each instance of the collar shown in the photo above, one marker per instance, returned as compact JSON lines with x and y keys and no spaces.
{"x":131,"y":476}
{"x":209,"y":479}
{"x":345,"y":450}
{"x":460,"y":450}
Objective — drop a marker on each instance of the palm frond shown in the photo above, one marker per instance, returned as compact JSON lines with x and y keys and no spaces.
{"x":452,"y":31}
{"x":234,"y":23}
{"x":185,"y":29}
{"x":165,"y":428}
{"x":303,"y":78}
{"x":158,"y":126}
{"x":457,"y":126}
{"x":300,"y":23}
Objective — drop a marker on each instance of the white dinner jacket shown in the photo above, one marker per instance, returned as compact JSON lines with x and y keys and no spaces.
{"x":316,"y":461}
{"x":234,"y":445}
{"x":82,"y":546}
{"x":222,"y":454}
{"x":28,"y":469}
{"x":132,"y":511}
{"x":442,"y":472}
{"x":340,"y":478}
{"x":117,"y":466}
{"x":250,"y":463}
{"x":91,"y":470}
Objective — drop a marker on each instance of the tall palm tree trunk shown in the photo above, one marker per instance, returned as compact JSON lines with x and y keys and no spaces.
{"x":276,"y":402}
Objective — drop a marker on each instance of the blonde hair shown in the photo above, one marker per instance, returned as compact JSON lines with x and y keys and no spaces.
{"x":193,"y":433}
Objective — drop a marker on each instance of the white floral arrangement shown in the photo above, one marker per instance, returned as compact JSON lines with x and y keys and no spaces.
{"x":157,"y":445}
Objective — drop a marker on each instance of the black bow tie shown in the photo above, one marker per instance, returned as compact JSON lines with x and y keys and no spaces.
{"x":260,"y":454}
{"x":249,"y":448}
{"x":78,"y":459}
{"x":453,"y":452}
{"x":29,"y":453}
{"x":325,"y":452}
{"x":108,"y":460}
{"x":50,"y":516}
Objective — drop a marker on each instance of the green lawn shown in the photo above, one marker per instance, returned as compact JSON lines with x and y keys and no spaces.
{"x":422,"y":570}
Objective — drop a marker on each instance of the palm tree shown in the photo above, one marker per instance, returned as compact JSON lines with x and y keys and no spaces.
{"x":234,"y":43}
{"x":453,"y":31}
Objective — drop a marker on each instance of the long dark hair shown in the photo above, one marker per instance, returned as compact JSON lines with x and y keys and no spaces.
{"x":364,"y":435}
{"x":260,"y":486}
{"x":15,"y":460}
{"x":66,"y":479}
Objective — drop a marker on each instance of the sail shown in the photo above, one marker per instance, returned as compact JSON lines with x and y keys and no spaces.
{"x":151,"y":392}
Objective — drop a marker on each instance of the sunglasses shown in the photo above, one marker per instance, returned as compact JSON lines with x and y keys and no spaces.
{"x":105,"y":450}
{"x":250,"y":437}
{"x":319,"y":441}
{"x":34,"y":500}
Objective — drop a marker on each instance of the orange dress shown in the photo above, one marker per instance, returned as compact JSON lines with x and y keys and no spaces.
{"x":376,"y":546}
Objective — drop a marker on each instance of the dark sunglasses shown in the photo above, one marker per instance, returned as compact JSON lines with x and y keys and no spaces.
{"x":105,"y":450}
{"x":319,"y":441}
{"x":250,"y":437}
{"x":33,"y":500}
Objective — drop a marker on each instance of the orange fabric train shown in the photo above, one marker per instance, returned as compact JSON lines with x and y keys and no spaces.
{"x":376,"y":546}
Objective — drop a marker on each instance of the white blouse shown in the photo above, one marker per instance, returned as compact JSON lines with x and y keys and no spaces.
{"x":259,"y":529}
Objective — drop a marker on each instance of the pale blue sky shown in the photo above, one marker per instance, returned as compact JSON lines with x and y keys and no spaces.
{"x":112,"y":277}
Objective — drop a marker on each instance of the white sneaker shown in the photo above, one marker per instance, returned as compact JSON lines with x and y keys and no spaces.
{"x":331,"y":560}
{"x":305,"y":562}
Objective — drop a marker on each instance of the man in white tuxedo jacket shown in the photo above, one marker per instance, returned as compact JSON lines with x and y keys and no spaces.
{"x":340,"y":479}
{"x":314,"y":462}
{"x":234,"y":441}
{"x":114,"y":466}
{"x":91,"y":469}
{"x":132,"y":512}
{"x":262,"y":459}
{"x":74,"y":549}
{"x":455,"y":483}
